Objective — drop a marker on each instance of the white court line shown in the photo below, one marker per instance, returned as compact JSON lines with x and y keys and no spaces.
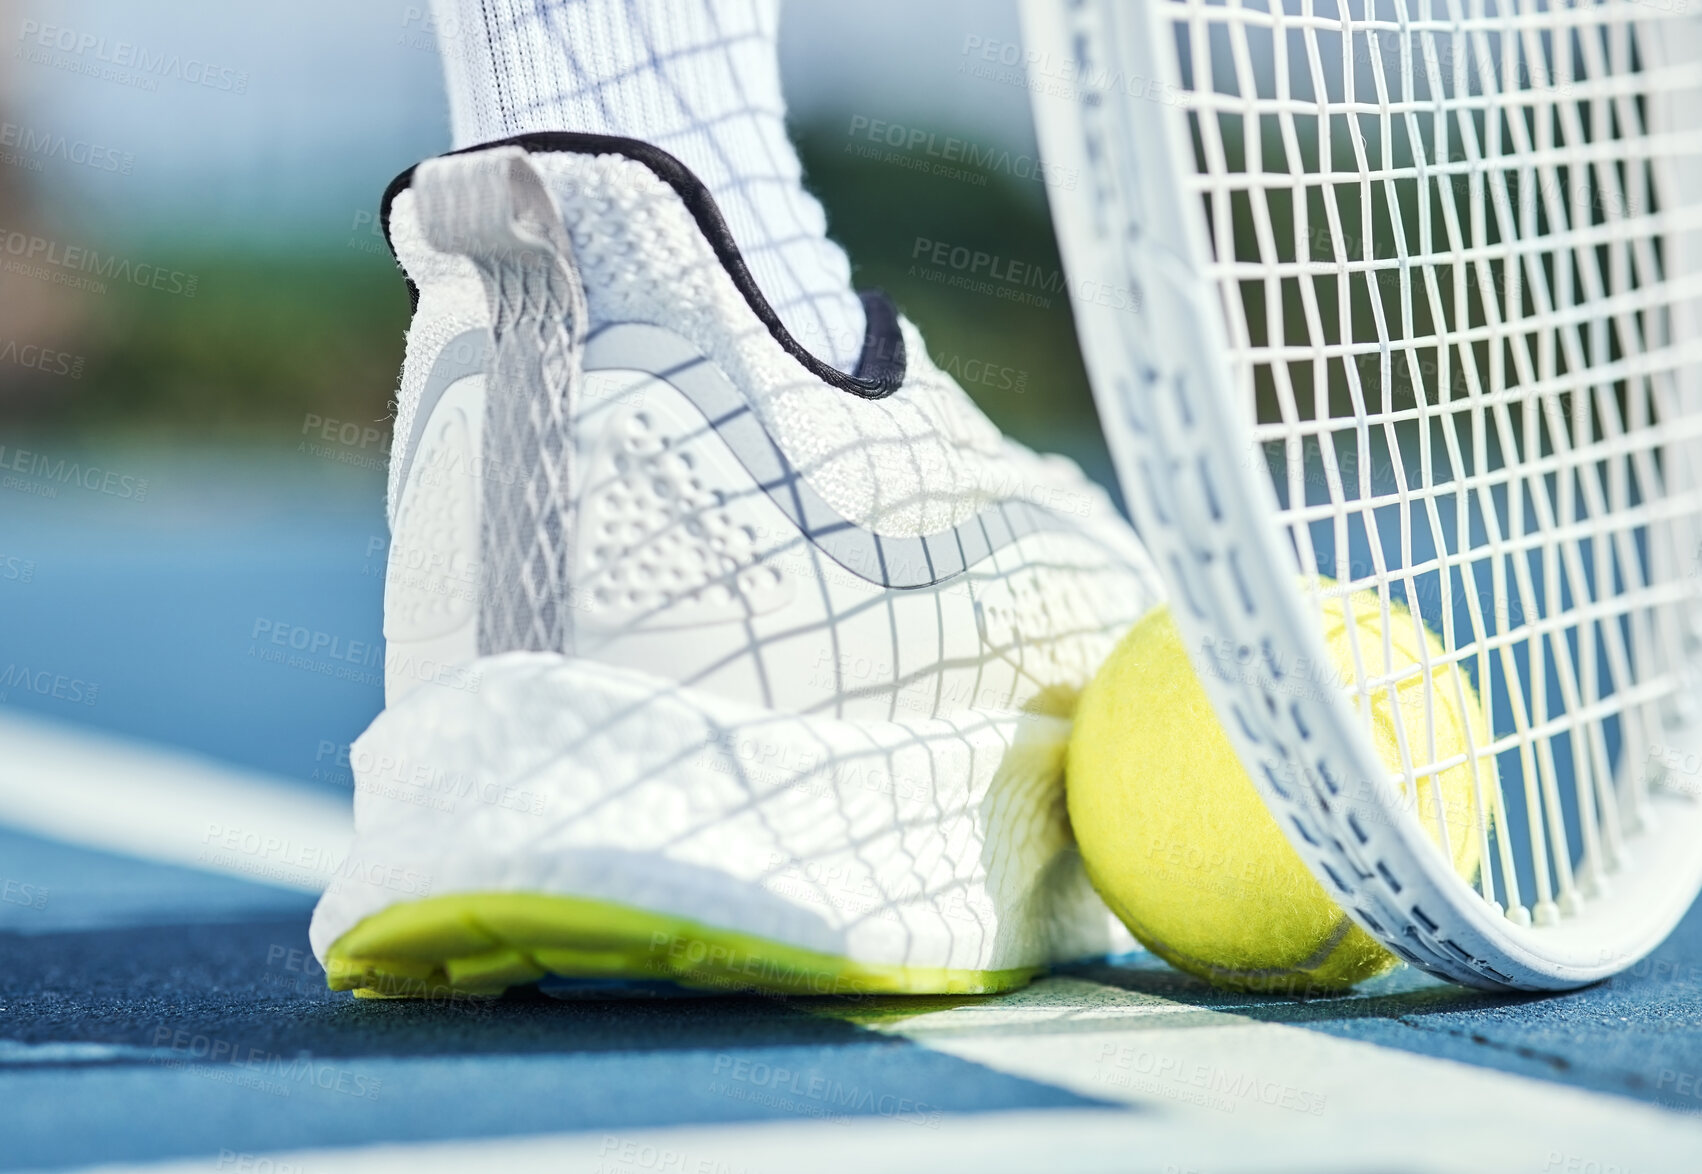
{"x":1225,"y":1095}
{"x":136,"y":799}
{"x":1081,"y":1141}
{"x":1064,"y":1002}
{"x":1272,"y":1096}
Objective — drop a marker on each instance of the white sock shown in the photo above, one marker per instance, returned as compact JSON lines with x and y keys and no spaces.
{"x":699,"y":79}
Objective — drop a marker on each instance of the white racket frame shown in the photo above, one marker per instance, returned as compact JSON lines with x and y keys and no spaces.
{"x":1180,"y":432}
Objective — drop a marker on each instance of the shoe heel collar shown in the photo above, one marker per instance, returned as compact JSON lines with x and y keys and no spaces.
{"x":881,"y":365}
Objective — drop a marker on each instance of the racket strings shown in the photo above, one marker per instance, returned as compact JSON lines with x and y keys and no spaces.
{"x":1443,"y":239}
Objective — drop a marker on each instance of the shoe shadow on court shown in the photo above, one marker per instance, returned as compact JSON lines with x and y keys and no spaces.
{"x":1402,"y":994}
{"x":224,"y":1037}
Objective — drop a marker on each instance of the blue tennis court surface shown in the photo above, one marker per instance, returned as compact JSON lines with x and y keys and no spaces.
{"x":152,"y":1012}
{"x":163,"y":1013}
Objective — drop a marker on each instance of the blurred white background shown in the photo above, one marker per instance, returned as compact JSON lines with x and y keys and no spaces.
{"x":338,"y":97}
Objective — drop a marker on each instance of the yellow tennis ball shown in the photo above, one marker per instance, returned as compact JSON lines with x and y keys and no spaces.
{"x":1183,"y":849}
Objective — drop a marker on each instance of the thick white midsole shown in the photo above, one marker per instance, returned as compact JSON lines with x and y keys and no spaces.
{"x":914,"y":842}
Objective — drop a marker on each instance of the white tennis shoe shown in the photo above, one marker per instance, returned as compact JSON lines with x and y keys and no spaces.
{"x":707,"y":662}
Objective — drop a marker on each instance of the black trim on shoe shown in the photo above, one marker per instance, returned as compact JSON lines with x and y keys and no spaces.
{"x":880,"y":366}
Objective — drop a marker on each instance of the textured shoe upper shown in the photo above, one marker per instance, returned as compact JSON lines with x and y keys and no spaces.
{"x":664,"y":485}
{"x":918,"y":460}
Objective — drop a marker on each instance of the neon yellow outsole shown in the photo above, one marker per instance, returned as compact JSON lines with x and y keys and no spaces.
{"x":480,"y":944}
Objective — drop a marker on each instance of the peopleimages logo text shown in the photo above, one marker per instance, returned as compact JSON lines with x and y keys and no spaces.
{"x":129,"y":55}
{"x":64,"y":472}
{"x":41,"y":144}
{"x":31,"y":249}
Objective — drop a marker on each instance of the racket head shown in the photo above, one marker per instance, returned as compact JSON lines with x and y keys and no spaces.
{"x":1244,"y":489}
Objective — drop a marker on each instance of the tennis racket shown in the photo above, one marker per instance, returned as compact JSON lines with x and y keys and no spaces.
{"x":1407,"y":302}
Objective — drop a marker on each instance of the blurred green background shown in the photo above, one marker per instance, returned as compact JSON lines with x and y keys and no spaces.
{"x":277,"y":330}
{"x":297,"y":308}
